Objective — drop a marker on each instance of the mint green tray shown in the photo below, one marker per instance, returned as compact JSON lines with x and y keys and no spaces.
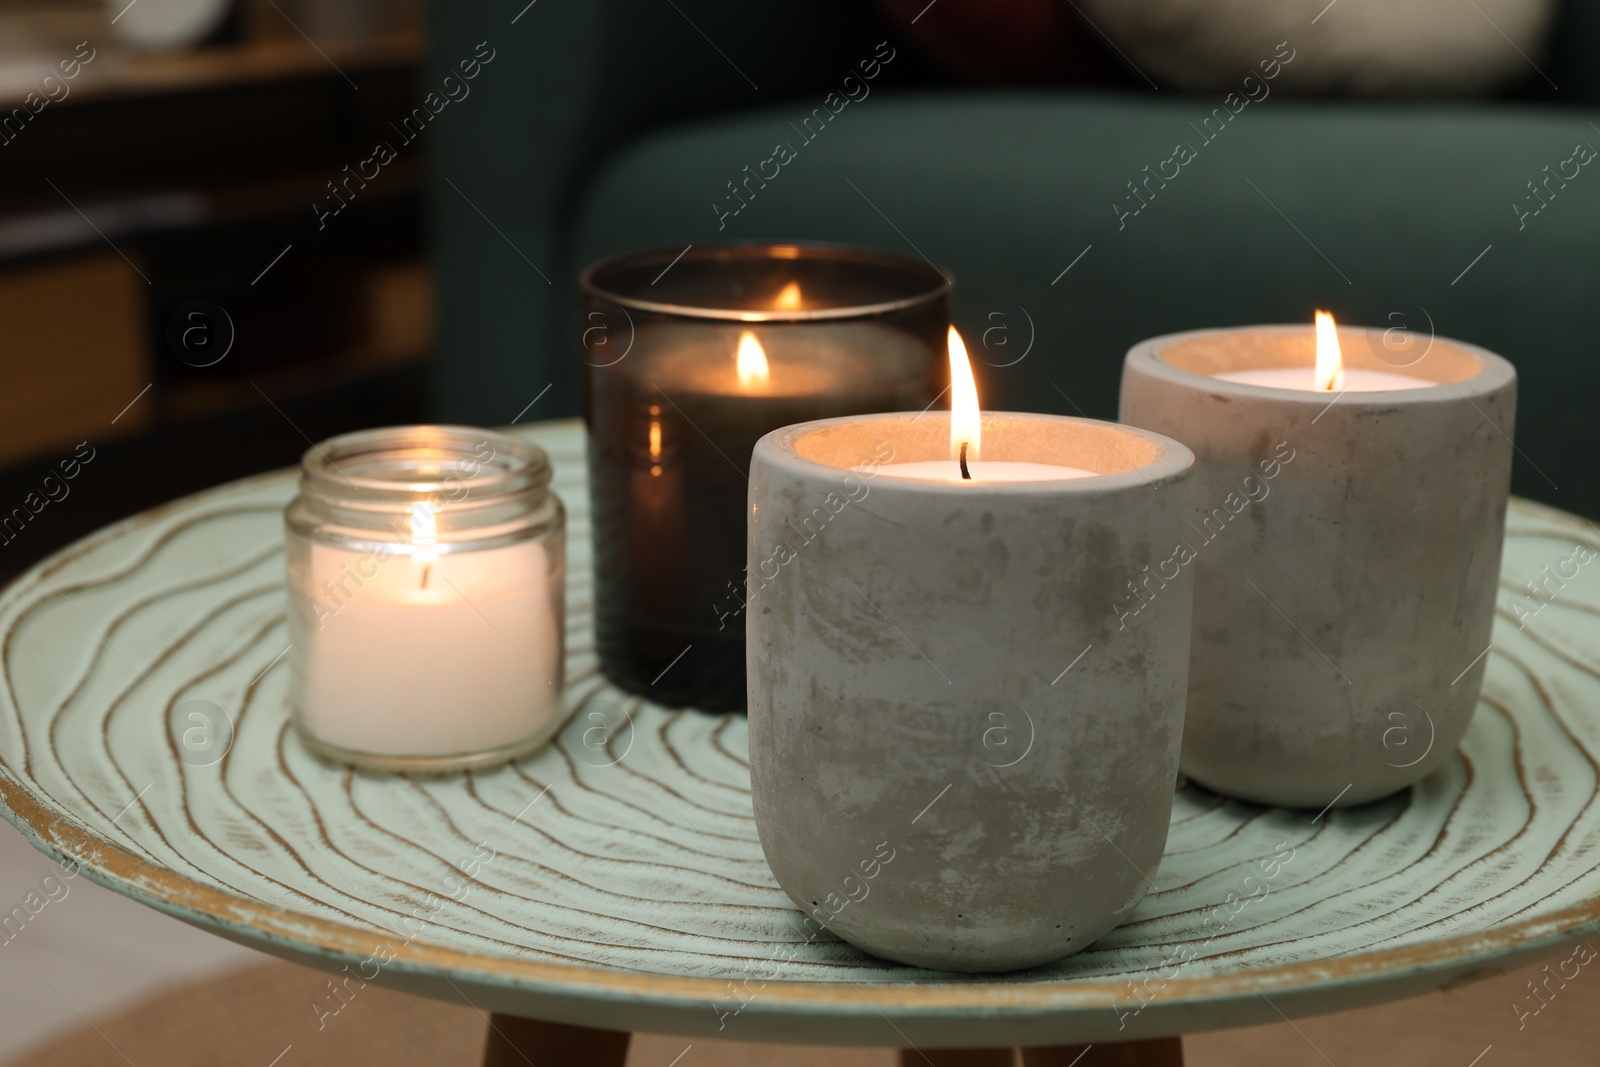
{"x":626,"y":887}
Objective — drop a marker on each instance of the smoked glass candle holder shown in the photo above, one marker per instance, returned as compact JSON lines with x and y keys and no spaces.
{"x":426,"y":573}
{"x":689,"y":358}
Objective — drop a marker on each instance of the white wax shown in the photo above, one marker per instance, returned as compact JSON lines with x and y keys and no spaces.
{"x":462,"y":661}
{"x":987,"y":471}
{"x":1356,"y":379}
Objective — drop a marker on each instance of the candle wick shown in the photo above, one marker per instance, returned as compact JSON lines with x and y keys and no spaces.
{"x":427,"y":569}
{"x":964,"y":472}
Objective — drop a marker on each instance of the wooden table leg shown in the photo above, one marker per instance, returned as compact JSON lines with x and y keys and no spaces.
{"x":957,"y":1057}
{"x":1162,"y":1052}
{"x":517,"y":1042}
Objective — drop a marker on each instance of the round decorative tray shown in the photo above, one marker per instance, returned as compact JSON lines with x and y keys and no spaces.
{"x":615,"y":879}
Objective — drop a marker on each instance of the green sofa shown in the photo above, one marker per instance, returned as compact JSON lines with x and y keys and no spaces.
{"x":619,"y":124}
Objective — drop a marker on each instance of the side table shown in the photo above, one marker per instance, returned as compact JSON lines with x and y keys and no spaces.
{"x":614,"y":882}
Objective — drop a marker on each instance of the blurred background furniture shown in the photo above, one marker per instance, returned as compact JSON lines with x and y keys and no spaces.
{"x":999,"y":140}
{"x":1393,"y":214}
{"x":147,"y":181}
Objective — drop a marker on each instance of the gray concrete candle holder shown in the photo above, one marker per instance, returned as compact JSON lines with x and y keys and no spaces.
{"x":960,"y":758}
{"x":1345,"y":548}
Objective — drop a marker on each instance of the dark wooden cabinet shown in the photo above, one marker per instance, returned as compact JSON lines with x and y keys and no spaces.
{"x":228,"y":180}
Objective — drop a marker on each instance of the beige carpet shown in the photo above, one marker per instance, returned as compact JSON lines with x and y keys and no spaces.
{"x":263,"y":1017}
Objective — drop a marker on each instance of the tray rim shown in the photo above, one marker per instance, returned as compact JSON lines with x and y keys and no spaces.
{"x":330,"y":944}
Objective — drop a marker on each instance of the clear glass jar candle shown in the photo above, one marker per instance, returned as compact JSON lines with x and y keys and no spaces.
{"x":426,"y":571}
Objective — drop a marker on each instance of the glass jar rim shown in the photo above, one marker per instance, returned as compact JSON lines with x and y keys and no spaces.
{"x":593,"y":281}
{"x":397,"y":465}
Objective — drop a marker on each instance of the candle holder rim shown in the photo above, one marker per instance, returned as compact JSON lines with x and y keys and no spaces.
{"x":530,"y":471}
{"x":1147,"y":356}
{"x":1173,"y":461}
{"x":941,"y":282}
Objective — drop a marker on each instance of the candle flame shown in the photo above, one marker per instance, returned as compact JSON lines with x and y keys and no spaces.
{"x":1330,"y":361}
{"x":655,"y":441}
{"x":965,"y":425}
{"x":788,"y":298}
{"x":752,"y":361}
{"x":424,"y":533}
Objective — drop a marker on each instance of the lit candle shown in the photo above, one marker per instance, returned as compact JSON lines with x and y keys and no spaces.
{"x":720,"y":366}
{"x":704,"y":355}
{"x":1329,"y":375}
{"x":425,"y":580}
{"x":1346,"y":546}
{"x":954,"y":640}
{"x":966,"y":440}
{"x":434,"y":655}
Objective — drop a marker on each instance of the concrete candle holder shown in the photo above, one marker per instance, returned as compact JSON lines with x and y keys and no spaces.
{"x":960,"y":757}
{"x":1345,"y":548}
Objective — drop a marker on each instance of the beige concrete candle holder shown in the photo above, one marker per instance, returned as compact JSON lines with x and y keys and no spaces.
{"x":1345,"y":548}
{"x":960,"y":756}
